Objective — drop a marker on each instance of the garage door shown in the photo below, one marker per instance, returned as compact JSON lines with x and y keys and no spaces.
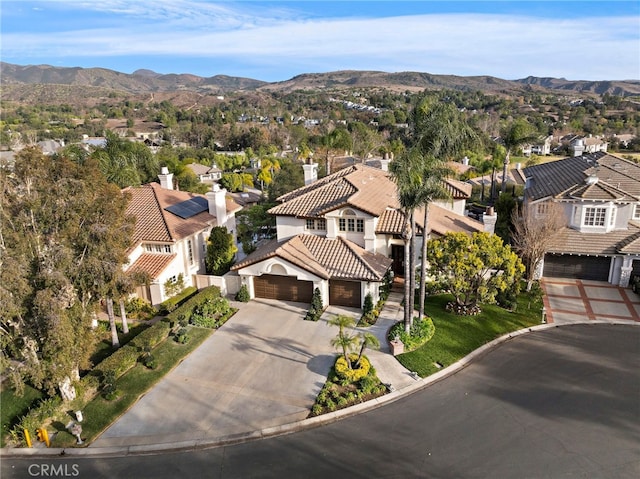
{"x":578,"y":267}
{"x":345,"y":293}
{"x":287,"y":288}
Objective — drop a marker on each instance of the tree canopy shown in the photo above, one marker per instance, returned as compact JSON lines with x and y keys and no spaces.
{"x":221,"y":251}
{"x":63,"y":241}
{"x":474,"y":268}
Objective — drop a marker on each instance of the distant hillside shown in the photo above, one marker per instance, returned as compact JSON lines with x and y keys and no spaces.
{"x":618,"y":88}
{"x":20,"y":81}
{"x":141,"y":81}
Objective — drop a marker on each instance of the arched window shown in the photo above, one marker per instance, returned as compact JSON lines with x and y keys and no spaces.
{"x":350,"y":222}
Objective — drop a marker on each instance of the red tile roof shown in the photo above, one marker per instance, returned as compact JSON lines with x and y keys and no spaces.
{"x":153,"y":264}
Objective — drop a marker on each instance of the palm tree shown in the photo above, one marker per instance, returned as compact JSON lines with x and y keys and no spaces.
{"x":343,"y":340}
{"x":515,"y":135}
{"x":442,"y":134}
{"x":368,"y":340}
{"x":406,"y":174}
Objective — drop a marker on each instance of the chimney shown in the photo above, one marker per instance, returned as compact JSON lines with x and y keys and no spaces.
{"x":489,"y":219}
{"x":166,"y":178}
{"x":384,"y":162}
{"x":310,"y":173}
{"x":518,"y":166}
{"x":465,"y":161}
{"x":217,"y":199}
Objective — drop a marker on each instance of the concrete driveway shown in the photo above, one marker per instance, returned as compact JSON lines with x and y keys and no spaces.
{"x":574,"y":300}
{"x":265,"y":365}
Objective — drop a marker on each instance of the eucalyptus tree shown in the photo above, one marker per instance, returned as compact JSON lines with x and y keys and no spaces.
{"x":63,"y":240}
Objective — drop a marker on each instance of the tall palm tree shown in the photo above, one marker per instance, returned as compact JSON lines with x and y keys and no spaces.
{"x":343,"y":340}
{"x":407,"y":176}
{"x":515,"y":135}
{"x":441,"y":134}
{"x":368,"y":340}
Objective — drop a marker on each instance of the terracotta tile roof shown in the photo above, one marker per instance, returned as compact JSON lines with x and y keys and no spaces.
{"x":441,"y":221}
{"x":153,"y":223}
{"x":327,"y":258}
{"x":571,"y":241}
{"x":458,"y":189}
{"x":153,"y":264}
{"x":555,"y":178}
{"x":366,"y":188}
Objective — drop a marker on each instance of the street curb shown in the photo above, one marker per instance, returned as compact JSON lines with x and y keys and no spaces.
{"x":310,"y":423}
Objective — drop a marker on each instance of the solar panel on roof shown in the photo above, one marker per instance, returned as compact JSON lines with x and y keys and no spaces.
{"x":187,"y":209}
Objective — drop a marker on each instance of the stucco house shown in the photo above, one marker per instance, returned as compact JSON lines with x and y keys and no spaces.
{"x":341,"y":234}
{"x":206,"y":174}
{"x":171,"y":232}
{"x":600,"y":196}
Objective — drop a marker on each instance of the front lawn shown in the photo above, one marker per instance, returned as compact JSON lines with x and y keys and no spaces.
{"x":457,"y":336}
{"x":99,"y":413}
{"x":14,"y":407}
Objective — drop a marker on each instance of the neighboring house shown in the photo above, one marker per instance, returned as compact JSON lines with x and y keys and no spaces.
{"x":171,"y":232}
{"x":539,"y":149}
{"x":600,"y":195}
{"x":206,"y":174}
{"x":341,"y":234}
{"x":50,"y":147}
{"x":584,"y":145}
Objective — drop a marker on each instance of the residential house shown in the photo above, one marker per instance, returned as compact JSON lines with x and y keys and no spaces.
{"x":600,"y":196}
{"x":584,"y":145}
{"x":171,"y":232}
{"x":206,"y":174}
{"x":341,"y":234}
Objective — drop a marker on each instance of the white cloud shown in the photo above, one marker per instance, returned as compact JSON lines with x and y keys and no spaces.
{"x":465,"y":44}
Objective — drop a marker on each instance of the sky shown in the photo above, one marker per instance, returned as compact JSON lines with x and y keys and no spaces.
{"x":276,"y":40}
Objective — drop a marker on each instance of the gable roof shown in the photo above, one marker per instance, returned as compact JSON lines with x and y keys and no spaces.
{"x":441,"y":221}
{"x":327,"y":258}
{"x":366,"y":188}
{"x":363,"y":187}
{"x":617,"y":177}
{"x":148,"y":204}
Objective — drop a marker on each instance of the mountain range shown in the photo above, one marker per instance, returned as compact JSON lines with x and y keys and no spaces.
{"x":16,"y":78}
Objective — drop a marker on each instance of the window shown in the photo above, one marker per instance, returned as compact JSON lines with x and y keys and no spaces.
{"x":360,"y":226}
{"x":612,"y":217}
{"x":190,"y":251}
{"x":351,"y":224}
{"x":321,"y":224}
{"x":167,"y":248}
{"x":157,"y":248}
{"x":636,"y":212}
{"x":342,"y":224}
{"x":311,"y":224}
{"x":594,"y":216}
{"x":542,"y":209}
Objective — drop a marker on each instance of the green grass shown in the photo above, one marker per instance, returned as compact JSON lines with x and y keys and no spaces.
{"x":457,"y":336}
{"x":103,"y":347}
{"x":13,"y":407}
{"x":100,"y":413}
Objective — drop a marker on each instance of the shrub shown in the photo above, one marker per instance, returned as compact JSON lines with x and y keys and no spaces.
{"x":368,"y":384}
{"x":138,"y":308}
{"x":352,"y":374}
{"x":150,"y":361}
{"x":243,"y":294}
{"x":182,"y":336}
{"x":207,"y":313}
{"x":151,"y":337}
{"x":119,"y":362}
{"x":421,"y":332}
{"x":174,"y":302}
{"x":367,"y":307}
{"x":317,"y":308}
{"x":184,"y":311}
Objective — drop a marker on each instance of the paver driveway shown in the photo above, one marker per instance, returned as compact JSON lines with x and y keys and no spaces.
{"x":264,"y":365}
{"x":575,"y":300}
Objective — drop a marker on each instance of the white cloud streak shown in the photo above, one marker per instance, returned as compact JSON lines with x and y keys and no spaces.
{"x":465,"y":44}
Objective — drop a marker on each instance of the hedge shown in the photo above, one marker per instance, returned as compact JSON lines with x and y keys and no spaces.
{"x":174,"y":302}
{"x":150,"y":337}
{"x":183,"y":313}
{"x":120,"y":361}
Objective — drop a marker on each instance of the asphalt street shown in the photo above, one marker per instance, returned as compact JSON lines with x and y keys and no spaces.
{"x":558,"y":403}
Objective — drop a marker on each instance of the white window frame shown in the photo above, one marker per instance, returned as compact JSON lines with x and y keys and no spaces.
{"x":636,"y":212}
{"x":190,"y":252}
{"x":594,"y":216}
{"x":321,"y":224}
{"x":310,"y":224}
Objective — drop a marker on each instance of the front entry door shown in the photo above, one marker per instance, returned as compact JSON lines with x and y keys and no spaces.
{"x":397,"y":255}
